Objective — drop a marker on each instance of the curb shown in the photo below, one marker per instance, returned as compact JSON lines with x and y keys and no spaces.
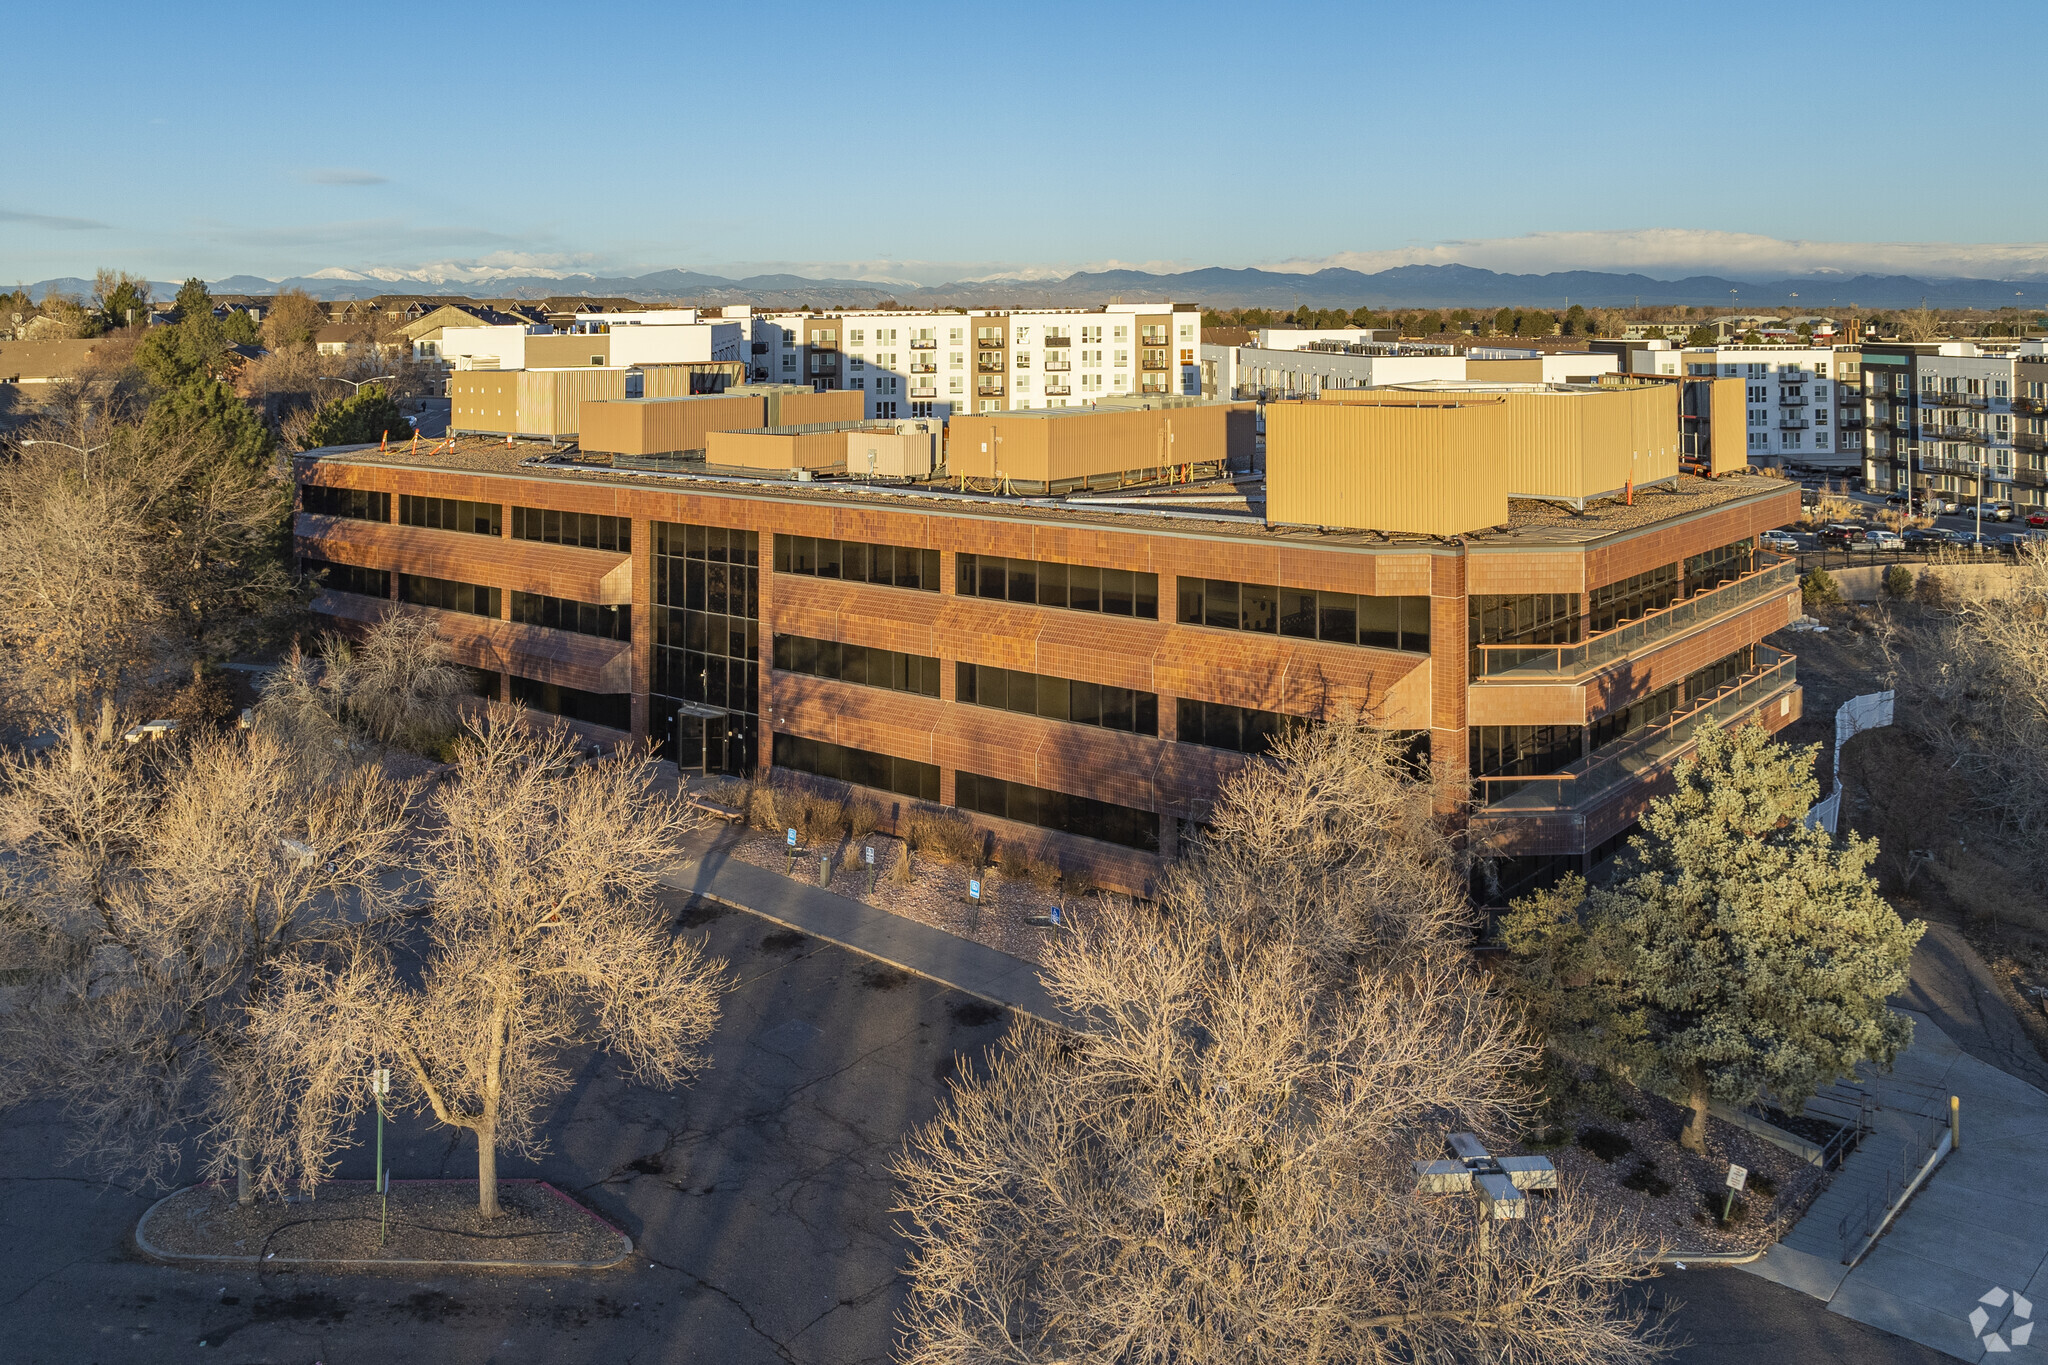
{"x":1712,"y":1257}
{"x":862,"y":950}
{"x":143,"y":1243}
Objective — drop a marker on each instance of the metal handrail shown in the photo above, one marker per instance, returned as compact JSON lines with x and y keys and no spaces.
{"x":1608,"y":646}
{"x":1578,"y":784}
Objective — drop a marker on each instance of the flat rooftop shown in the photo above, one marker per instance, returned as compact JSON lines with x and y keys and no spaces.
{"x":1232,"y":507}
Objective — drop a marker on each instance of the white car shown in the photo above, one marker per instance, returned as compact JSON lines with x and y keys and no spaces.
{"x":1879,"y":539}
{"x":1781,"y":541}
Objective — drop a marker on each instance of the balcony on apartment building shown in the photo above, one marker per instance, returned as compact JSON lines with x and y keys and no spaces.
{"x":1156,"y":360}
{"x":924,"y":367}
{"x":2033,"y":407}
{"x":1057,"y":365}
{"x":1578,"y":788}
{"x":924,"y":393}
{"x":989,"y":364}
{"x":989,"y":388}
{"x":1791,"y":424}
{"x":1792,"y":400}
{"x":1563,"y":663}
{"x":995,"y":343}
{"x":923,"y":343}
{"x":2033,"y":478}
{"x":1058,"y":390}
{"x":2027,"y":440}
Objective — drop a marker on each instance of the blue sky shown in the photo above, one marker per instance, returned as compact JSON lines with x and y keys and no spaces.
{"x":934,"y":142}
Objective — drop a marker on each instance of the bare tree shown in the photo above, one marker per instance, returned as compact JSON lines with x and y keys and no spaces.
{"x":1976,"y":679}
{"x":1215,"y":1166}
{"x":396,"y":686}
{"x":129,"y":555}
{"x":543,"y":936}
{"x":151,"y":897}
{"x":1338,"y":844}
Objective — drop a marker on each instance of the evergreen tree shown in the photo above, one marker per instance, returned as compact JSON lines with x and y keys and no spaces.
{"x":240,"y":329}
{"x":1739,"y":953}
{"x":193,"y":299}
{"x":207,"y":413}
{"x":364,"y":416}
{"x":188,"y":352}
{"x":1504,"y":322}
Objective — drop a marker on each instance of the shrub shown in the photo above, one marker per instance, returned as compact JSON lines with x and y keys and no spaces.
{"x":1927,"y":589}
{"x":1013,"y":862}
{"x":944,"y":836}
{"x":903,"y":874}
{"x":863,"y":817}
{"x":1898,"y":581}
{"x":819,"y":818}
{"x":1820,"y":589}
{"x":758,"y":805}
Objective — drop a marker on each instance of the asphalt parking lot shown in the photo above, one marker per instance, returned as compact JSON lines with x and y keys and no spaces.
{"x":759,"y":1201}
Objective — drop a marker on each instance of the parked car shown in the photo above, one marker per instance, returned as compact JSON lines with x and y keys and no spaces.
{"x":1784,"y":542}
{"x":1975,"y":541}
{"x":2013,"y":541}
{"x":1895,"y":499}
{"x":1924,"y":537}
{"x":1841,"y":535}
{"x":1879,"y":538}
{"x":2001,"y":510}
{"x":2037,"y":519}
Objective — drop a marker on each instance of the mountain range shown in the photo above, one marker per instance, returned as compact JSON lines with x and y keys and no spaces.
{"x":1407,"y":286}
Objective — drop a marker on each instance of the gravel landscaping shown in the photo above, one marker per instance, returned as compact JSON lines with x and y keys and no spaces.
{"x":431,"y":1222}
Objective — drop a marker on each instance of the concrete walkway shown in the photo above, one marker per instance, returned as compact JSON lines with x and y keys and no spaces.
{"x":1979,"y":1224}
{"x":917,"y":948}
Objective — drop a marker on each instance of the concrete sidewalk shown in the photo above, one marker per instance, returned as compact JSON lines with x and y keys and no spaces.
{"x":917,"y":948}
{"x":1979,"y":1224}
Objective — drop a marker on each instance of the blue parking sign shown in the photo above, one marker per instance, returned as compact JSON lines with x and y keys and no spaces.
{"x":792,"y":839}
{"x":974,"y":889}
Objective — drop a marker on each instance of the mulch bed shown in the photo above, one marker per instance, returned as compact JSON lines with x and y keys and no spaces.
{"x":431,"y":1221}
{"x":1669,"y":1188}
{"x":937,"y":896}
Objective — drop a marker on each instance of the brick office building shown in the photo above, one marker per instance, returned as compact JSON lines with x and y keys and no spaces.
{"x":1085,"y":671}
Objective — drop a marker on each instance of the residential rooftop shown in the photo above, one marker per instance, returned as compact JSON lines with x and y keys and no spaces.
{"x":1228,"y":507}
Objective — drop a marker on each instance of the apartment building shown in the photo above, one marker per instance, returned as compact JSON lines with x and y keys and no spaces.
{"x":1795,"y":401}
{"x":935,"y":364}
{"x":1081,"y":671}
{"x":1957,"y":421}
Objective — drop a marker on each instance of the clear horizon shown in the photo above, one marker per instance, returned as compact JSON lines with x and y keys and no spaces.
{"x":280,"y":143}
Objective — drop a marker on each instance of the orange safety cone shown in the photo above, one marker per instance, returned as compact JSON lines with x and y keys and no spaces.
{"x":382,"y":437}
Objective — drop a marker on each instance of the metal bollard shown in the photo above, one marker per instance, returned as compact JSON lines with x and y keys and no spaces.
{"x":825,"y":870}
{"x":1955,"y":1123}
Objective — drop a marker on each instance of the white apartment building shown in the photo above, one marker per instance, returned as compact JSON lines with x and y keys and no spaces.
{"x":1793,"y":394}
{"x":1964,"y":421}
{"x":939,"y":363}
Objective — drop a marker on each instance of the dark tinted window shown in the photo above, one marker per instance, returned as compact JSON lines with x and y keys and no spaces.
{"x":360,"y":504}
{"x":903,"y":776}
{"x":1337,"y":617}
{"x":448,"y":595}
{"x":451,"y":514}
{"x":1076,"y":587}
{"x":586,"y":529}
{"x":562,"y":613}
{"x":1060,"y":811}
{"x":863,"y":664}
{"x":892,"y":566}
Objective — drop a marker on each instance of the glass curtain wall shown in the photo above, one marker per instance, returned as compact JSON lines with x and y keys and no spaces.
{"x":704,"y":705}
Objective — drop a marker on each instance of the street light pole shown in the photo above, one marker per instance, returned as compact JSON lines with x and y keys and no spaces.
{"x":357,"y":384}
{"x":83,"y":451}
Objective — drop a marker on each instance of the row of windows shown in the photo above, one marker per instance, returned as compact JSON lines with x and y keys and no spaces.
{"x":562,"y":613}
{"x":587,"y":529}
{"x":1059,"y":811}
{"x":1635,"y":596}
{"x":904,"y":776}
{"x":451,"y":514}
{"x":1540,"y":618}
{"x":611,"y":709}
{"x":1034,"y":694}
{"x":721,"y":544}
{"x":1077,"y":587}
{"x":861,"y":664}
{"x":1304,"y":613}
{"x":351,"y":578}
{"x":448,"y":595}
{"x":361,"y":504}
{"x":856,"y":561}
{"x":1222,"y":726}
{"x":731,"y":637}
